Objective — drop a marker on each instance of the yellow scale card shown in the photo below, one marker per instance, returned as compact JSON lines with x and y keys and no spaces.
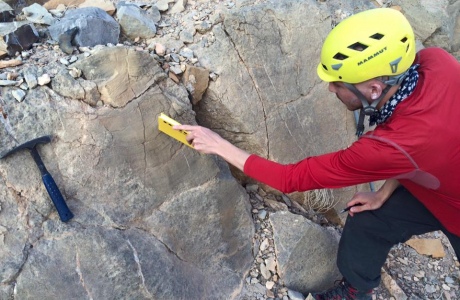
{"x":165,"y":125}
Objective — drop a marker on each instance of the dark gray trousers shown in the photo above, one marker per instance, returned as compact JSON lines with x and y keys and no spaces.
{"x":368,"y":237}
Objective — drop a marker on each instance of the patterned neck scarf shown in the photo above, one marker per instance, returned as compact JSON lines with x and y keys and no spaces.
{"x":405,"y":89}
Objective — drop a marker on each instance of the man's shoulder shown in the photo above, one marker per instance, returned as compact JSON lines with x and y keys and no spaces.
{"x":434,"y":55}
{"x":432,"y":51}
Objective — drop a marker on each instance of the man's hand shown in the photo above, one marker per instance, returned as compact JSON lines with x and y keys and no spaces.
{"x":365,"y":201}
{"x":202,"y":139}
{"x":207,"y":141}
{"x":372,"y":200}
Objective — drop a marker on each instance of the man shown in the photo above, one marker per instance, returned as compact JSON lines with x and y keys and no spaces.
{"x":371,"y":64}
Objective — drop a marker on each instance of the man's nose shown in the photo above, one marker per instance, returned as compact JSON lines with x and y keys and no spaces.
{"x":331,"y":87}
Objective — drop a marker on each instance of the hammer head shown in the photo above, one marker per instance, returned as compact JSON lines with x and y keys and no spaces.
{"x":28,"y":145}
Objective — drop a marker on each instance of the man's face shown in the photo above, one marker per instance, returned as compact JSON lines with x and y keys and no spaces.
{"x":345,"y":95}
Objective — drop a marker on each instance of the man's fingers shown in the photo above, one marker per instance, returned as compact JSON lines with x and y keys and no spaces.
{"x":184,"y":127}
{"x":355,"y":202}
{"x":359,"y":208}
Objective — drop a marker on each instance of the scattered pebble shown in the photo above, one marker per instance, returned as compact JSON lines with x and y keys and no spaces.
{"x":44,"y":79}
{"x":18,"y":95}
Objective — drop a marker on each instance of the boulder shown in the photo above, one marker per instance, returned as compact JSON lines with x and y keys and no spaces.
{"x":135,"y":22}
{"x":95,"y":27}
{"x":153,"y":218}
{"x":268,"y":99}
{"x":19,"y":39}
{"x":306,"y":253}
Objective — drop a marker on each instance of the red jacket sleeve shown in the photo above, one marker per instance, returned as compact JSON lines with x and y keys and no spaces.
{"x":365,"y":161}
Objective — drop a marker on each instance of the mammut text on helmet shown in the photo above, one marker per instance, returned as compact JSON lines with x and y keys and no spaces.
{"x":372,"y":56}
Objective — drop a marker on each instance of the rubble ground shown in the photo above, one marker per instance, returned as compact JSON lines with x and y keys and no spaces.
{"x":406,"y":273}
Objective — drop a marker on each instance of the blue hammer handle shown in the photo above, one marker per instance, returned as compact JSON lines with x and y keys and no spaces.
{"x":55,"y":194}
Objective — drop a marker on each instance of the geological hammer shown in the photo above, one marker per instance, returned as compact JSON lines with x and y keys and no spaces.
{"x":64,"y":212}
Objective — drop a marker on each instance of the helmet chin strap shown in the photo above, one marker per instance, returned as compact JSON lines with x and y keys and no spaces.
{"x":367,"y":109}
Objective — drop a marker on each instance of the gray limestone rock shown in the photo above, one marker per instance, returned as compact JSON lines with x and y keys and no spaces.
{"x":30,"y":76}
{"x":67,"y":86}
{"x":306,"y":253}
{"x":268,"y":99}
{"x":95,"y":27}
{"x":38,"y":14}
{"x":153,"y":218}
{"x":280,"y":94}
{"x":135,"y":22}
{"x":19,"y":94}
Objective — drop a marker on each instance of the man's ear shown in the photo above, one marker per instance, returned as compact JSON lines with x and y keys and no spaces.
{"x":376,"y":89}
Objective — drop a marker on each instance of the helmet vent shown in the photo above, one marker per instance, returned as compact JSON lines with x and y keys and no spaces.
{"x":358,"y":46}
{"x":340,"y":56}
{"x":377,"y":36}
{"x":404,"y":39}
{"x":324,"y":66}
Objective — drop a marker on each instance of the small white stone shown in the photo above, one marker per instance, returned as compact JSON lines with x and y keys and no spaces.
{"x":271,"y":263}
{"x":25,"y":54}
{"x":262,"y":214}
{"x":445,"y":287}
{"x":449,"y":280}
{"x":44,"y":79}
{"x":269,"y":284}
{"x":264,"y":245}
{"x":64,"y":61}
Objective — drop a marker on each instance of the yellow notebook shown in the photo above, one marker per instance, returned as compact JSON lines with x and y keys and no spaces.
{"x":165,"y":125}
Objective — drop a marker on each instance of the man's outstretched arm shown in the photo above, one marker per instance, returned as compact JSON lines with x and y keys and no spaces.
{"x":207,"y":141}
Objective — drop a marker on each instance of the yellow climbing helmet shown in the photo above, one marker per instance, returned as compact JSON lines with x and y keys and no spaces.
{"x":369,"y":44}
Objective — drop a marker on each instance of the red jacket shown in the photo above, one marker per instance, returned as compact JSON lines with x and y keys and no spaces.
{"x":419,"y":145}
